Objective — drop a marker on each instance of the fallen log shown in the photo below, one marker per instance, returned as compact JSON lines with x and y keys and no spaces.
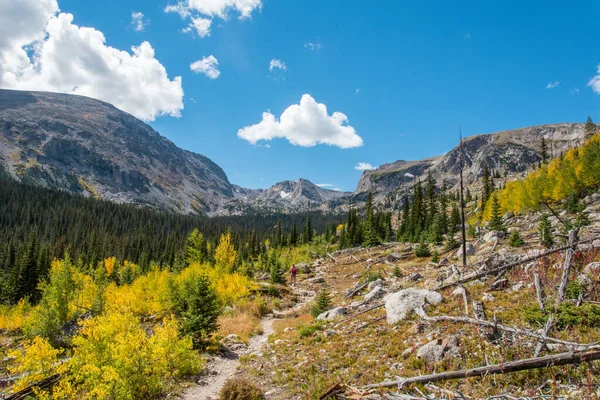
{"x":360,"y":313}
{"x":573,"y":357}
{"x":518,"y":331}
{"x":356,"y":289}
{"x":511,"y":265}
{"x":29,"y":390}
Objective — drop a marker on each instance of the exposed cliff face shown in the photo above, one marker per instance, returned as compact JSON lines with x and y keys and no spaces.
{"x":511,"y":152}
{"x":87,"y":146}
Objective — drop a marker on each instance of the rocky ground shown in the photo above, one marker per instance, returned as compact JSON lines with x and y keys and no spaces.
{"x":394,"y":318}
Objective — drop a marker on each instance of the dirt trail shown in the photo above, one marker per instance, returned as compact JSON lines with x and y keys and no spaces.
{"x":220,"y":368}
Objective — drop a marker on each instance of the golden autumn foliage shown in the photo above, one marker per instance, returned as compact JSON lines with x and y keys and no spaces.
{"x":225,"y":253}
{"x":575,"y":172}
{"x":36,"y":361}
{"x":114,"y":358}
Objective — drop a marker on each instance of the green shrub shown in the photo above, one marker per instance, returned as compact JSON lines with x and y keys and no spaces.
{"x":371,"y":276}
{"x":422,"y":250}
{"x":240,"y":389}
{"x":515,"y":239}
{"x":305,"y":330}
{"x":397,"y":272}
{"x":435,"y":256}
{"x":273,"y":291}
{"x":569,"y":315}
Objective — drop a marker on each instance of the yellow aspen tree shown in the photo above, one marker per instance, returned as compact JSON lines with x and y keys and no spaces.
{"x":225,"y":253}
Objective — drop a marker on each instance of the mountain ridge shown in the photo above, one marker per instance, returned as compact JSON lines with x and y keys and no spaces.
{"x":88,"y":146}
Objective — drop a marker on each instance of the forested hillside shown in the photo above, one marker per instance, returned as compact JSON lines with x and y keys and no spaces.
{"x":38,"y":224}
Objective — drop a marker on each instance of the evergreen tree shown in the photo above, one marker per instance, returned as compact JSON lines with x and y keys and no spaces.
{"x":277,"y":274}
{"x":371,"y":236}
{"x":455,"y":221}
{"x":308,"y":230}
{"x":545,"y":230}
{"x":322,"y":302}
{"x":589,"y":128}
{"x":294,"y":235}
{"x":496,"y":223}
{"x":487,"y":186}
{"x":436,"y":235}
{"x":544,"y":151}
{"x":515,"y":239}
{"x":198,"y":305}
{"x":422,"y":250}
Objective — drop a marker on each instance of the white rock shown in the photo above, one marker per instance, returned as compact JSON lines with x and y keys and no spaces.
{"x":335,"y":313}
{"x":374,"y":294}
{"x":399,"y":304}
{"x":374,"y":284}
{"x":488,"y":297}
{"x":470,"y":250}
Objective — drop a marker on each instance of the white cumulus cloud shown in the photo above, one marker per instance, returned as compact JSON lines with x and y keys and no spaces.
{"x":210,"y":9}
{"x":200,"y":25}
{"x":275,"y":63}
{"x":594,"y":83}
{"x":208,"y":66}
{"x":306,"y":124}
{"x":364,"y":166}
{"x":137,"y":21}
{"x":552,"y":85}
{"x":41,"y":49}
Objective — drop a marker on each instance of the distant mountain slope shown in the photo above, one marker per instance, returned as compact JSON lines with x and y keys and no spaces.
{"x":289,"y":196}
{"x":88,"y":146}
{"x":510,"y":152}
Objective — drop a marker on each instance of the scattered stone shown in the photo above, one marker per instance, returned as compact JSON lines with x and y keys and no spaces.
{"x":399,"y":304}
{"x":415,"y":277}
{"x":330,"y":333}
{"x":335,"y":313}
{"x":470,"y":250}
{"x":499,"y":285}
{"x":377,"y":293}
{"x":492,"y":236}
{"x":517,"y":286}
{"x":407,"y":352}
{"x":394,"y":257}
{"x":488,"y":297}
{"x":508,"y":215}
{"x":318,"y":279}
{"x":304,"y":268}
{"x":438,"y":350}
{"x":443,"y":262}
{"x":592,"y":270}
{"x":373,"y":284}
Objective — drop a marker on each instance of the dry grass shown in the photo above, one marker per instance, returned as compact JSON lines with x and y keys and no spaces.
{"x":243,"y":324}
{"x":281,"y":324}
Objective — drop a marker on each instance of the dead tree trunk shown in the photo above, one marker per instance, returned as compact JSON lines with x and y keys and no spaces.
{"x":574,"y":357}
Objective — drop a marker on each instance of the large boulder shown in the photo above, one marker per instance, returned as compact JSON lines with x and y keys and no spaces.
{"x":438,"y":350}
{"x":335,"y":313}
{"x":470,"y":250}
{"x":399,"y":304}
{"x":373,"y":284}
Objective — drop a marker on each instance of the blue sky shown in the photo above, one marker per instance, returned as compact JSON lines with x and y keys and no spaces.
{"x":405,"y":74}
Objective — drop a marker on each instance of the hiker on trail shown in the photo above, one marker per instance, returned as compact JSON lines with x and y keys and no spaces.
{"x":293,"y":272}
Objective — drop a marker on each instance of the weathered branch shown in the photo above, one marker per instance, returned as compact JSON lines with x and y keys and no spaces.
{"x":29,"y":390}
{"x":574,"y":357}
{"x":567,"y":267}
{"x":538,"y":290}
{"x":356,"y":289}
{"x":360,"y":313}
{"x":519,"y":331}
{"x":511,"y":265}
